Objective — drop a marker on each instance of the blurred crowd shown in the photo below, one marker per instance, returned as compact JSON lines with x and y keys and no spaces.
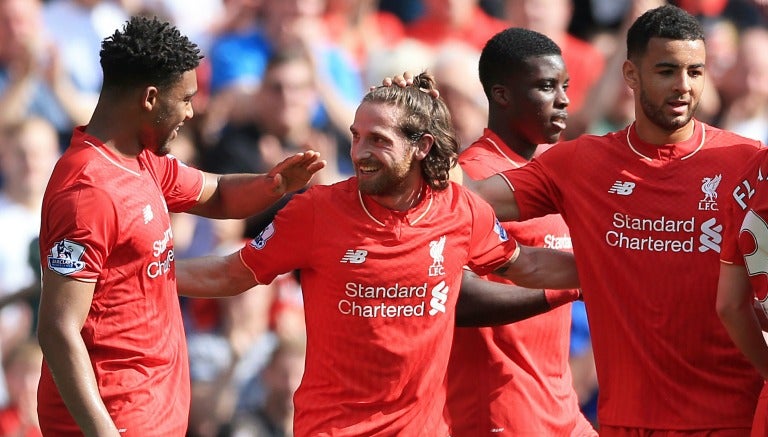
{"x":281,"y":76}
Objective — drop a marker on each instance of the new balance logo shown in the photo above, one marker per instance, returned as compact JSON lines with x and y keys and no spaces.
{"x":354,"y":256}
{"x":622,"y":188}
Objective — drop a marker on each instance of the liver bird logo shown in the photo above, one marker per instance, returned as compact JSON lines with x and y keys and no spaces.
{"x":709,"y":188}
{"x":436,"y":252}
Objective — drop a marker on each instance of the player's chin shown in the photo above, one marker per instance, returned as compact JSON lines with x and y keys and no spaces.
{"x":552,"y":135}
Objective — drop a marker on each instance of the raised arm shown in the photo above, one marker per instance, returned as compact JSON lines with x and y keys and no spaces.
{"x":213,"y":276}
{"x":243,"y":195}
{"x":64,"y":305}
{"x":735,"y":306}
{"x":486,"y":303}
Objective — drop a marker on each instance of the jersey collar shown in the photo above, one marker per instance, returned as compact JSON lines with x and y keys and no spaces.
{"x":667,"y":152}
{"x":386,"y":217}
{"x":494,"y":142}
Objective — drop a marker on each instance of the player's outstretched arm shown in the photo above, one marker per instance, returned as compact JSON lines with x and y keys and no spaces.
{"x":735,"y":307}
{"x":242,"y":195}
{"x":486,"y":303}
{"x":213,"y":276}
{"x":537,"y":267}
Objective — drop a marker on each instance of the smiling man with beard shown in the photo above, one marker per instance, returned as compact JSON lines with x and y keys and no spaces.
{"x":381,"y":257}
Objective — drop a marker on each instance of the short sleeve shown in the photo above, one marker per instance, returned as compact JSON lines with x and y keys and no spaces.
{"x":181,"y":184}
{"x":78,"y":233}
{"x":286,"y":243}
{"x":536,"y":191}
{"x":490,"y":245}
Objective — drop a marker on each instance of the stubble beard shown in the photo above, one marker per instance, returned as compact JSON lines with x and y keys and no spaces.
{"x":389,"y":181}
{"x":657,"y":117}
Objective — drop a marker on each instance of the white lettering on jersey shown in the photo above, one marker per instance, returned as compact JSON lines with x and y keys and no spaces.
{"x":622,"y":188}
{"x":382,"y":301}
{"x":555,"y":242}
{"x":660,"y":234}
{"x":711,"y":236}
{"x":742,"y":191}
{"x":162,"y":264}
{"x":159,"y":246}
{"x":436,"y":252}
{"x":354,"y":256}
{"x":709,"y":188}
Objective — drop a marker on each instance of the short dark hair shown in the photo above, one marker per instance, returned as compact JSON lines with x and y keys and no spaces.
{"x":421,"y":113}
{"x":147,"y":51}
{"x":507,"y":52}
{"x":669,"y":22}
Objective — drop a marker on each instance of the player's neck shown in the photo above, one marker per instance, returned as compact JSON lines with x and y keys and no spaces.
{"x":402,"y":201}
{"x":115,"y":133}
{"x":513,"y":141}
{"x":651,"y":133}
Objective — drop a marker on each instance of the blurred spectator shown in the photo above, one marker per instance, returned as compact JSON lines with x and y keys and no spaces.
{"x":359,"y":27}
{"x":199,"y":23}
{"x":281,"y":378}
{"x":239,"y":50}
{"x":593,"y":17}
{"x":286,"y":25}
{"x":456,"y":20}
{"x":77,"y":27}
{"x":409,"y":55}
{"x":455,"y":70}
{"x":722,"y":45}
{"x":22,"y":370}
{"x":746,"y":111}
{"x":32,"y":80}
{"x":584,"y":62}
{"x":278,"y":123}
{"x":28,"y":152}
{"x":406,"y":10}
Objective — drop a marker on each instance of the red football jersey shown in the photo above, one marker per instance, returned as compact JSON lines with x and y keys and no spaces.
{"x":745,"y":242}
{"x":746,"y":234}
{"x":105,"y":220}
{"x":380,"y":290}
{"x":513,"y":379}
{"x":646,"y":226}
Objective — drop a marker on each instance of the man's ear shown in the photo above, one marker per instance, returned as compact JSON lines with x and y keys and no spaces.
{"x":500,"y":95}
{"x":424,"y":145}
{"x":149,"y":98}
{"x":630,"y":72}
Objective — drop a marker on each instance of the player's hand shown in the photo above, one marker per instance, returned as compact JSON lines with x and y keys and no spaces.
{"x":295,"y":172}
{"x":404,"y":80}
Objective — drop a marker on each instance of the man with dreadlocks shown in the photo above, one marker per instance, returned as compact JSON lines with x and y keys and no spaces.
{"x":115,"y":358}
{"x":381,"y":257}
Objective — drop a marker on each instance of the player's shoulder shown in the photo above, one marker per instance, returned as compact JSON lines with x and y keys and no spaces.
{"x":461,"y":197}
{"x":336,"y":193}
{"x":716,"y":137}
